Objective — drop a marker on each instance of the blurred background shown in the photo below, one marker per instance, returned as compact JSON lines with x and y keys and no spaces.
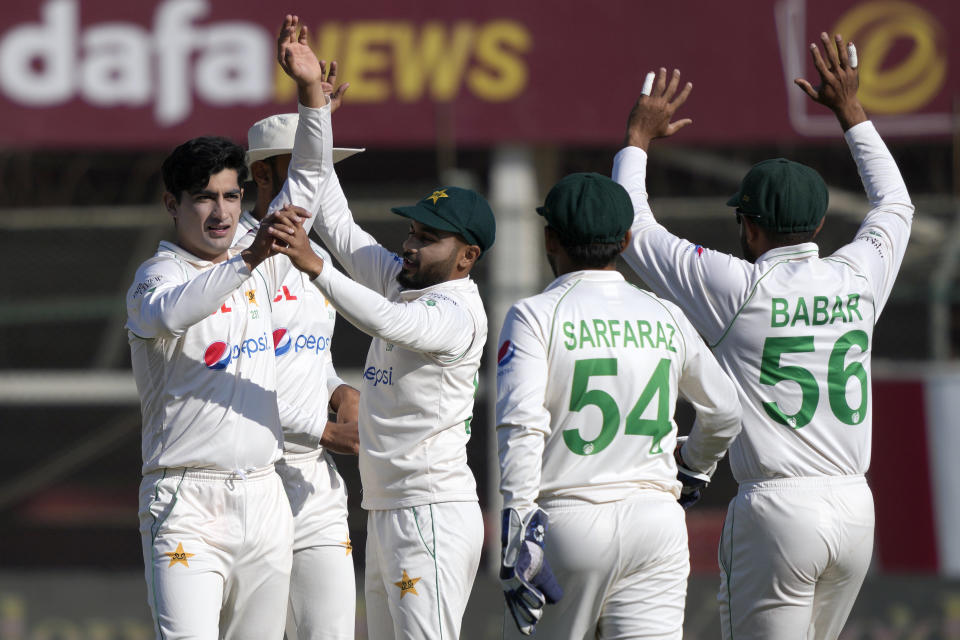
{"x":505,"y":97}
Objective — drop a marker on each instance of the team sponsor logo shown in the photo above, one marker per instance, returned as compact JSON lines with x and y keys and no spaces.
{"x":505,"y":354}
{"x":281,"y":342}
{"x":379,"y":376}
{"x":219,"y":354}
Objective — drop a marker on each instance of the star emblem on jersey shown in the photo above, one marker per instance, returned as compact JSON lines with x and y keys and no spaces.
{"x":348,"y":546}
{"x":179,"y":556}
{"x":251,"y":296}
{"x":407,"y":585}
{"x":436,"y":195}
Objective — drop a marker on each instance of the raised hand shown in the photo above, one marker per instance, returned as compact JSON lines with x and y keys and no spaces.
{"x":839,"y":81}
{"x":651,"y":116}
{"x":330,"y":89}
{"x":298,"y":61}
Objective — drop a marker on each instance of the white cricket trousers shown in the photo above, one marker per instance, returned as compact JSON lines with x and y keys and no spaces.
{"x":421,"y":564}
{"x":793,"y":555}
{"x":623,"y":567}
{"x":323,"y":593}
{"x":217,"y":550}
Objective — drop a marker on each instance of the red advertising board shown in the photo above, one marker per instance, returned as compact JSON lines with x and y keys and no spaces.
{"x":97,"y":73}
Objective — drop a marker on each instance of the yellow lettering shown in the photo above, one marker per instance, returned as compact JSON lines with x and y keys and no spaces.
{"x":366,"y":60}
{"x":501,"y":74}
{"x":437,"y":60}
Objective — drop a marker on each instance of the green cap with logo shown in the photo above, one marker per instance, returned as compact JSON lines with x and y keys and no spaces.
{"x":588,"y":208}
{"x":462,"y":211}
{"x":782,"y":195}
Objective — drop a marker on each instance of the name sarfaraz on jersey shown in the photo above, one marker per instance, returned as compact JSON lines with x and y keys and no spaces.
{"x":283,"y":340}
{"x":604,"y":332}
{"x":819,"y":310}
{"x":219,"y":354}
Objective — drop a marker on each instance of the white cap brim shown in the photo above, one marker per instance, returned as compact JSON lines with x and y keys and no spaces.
{"x":339,"y":153}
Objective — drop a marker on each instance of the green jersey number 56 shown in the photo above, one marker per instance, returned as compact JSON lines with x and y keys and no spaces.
{"x":771,"y":373}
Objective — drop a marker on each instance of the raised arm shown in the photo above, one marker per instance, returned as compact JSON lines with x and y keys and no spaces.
{"x":707,"y":284}
{"x":311,"y":180}
{"x":881,"y":240}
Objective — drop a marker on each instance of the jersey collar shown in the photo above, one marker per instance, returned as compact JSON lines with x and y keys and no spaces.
{"x":186,"y":256}
{"x":460,"y":284}
{"x":804,"y":251}
{"x":595,"y":275}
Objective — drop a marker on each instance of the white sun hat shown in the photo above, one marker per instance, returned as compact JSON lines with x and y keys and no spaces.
{"x":274,"y":136}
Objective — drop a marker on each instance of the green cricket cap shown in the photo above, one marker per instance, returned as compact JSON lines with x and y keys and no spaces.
{"x":462,"y":211}
{"x":587,"y":208}
{"x":782,"y":195}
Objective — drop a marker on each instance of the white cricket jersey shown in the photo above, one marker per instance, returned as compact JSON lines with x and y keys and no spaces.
{"x":202,"y":353}
{"x":202,"y":346}
{"x":303,"y":322}
{"x":794,"y":330}
{"x":420,"y":377}
{"x":588,"y":376}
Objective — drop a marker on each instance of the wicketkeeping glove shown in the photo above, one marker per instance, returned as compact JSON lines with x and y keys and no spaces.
{"x":528,"y":583}
{"x":692,"y":481}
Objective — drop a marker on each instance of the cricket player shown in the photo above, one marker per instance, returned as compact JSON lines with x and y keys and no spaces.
{"x":424,"y":528}
{"x":588,"y":376}
{"x":216,"y":527}
{"x":322,"y":585}
{"x":795,"y":332}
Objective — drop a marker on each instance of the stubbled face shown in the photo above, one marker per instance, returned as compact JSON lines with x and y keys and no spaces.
{"x":279,"y":165}
{"x":429,"y":256}
{"x":206,"y":220}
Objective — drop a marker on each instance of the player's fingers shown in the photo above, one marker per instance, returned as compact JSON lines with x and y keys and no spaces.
{"x":807,"y":87}
{"x":842,"y":52}
{"x":332,"y":78}
{"x":674,"y":83}
{"x":830,"y":50}
{"x":676,"y":126}
{"x":660,"y":84}
{"x":680,"y":99}
{"x":341,"y":91}
{"x":304,"y":35}
{"x":818,"y":62}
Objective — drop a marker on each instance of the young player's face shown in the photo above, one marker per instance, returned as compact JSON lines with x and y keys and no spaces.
{"x":207,"y":219}
{"x":429,"y":256}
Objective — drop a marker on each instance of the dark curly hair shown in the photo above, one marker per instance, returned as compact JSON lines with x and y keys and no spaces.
{"x":189,"y":167}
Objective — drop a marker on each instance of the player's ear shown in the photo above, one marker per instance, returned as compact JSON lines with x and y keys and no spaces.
{"x":469,"y":255}
{"x":170,"y":204}
{"x":626,"y":241}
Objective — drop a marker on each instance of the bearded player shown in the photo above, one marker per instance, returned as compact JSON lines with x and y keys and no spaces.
{"x":795,"y":332}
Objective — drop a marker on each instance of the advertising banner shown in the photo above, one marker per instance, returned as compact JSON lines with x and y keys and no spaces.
{"x":98,"y":74}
